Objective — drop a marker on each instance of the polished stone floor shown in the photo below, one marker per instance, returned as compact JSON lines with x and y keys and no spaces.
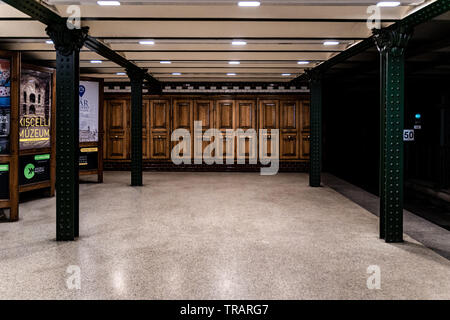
{"x":213,"y":236}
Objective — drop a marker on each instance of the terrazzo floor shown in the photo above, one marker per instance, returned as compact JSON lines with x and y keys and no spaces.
{"x":212,"y":236}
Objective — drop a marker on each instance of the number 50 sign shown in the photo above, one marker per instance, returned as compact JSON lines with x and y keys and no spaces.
{"x":408,"y":135}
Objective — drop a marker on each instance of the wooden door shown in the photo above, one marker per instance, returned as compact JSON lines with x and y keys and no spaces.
{"x":225,"y":119}
{"x":245,"y":120}
{"x":145,"y":130}
{"x":305,"y":130}
{"x":183,"y":118}
{"x":289,"y":132}
{"x":203,"y":111}
{"x":117,"y":135}
{"x":269,"y":114}
{"x":269,"y":119}
{"x":160,"y":129}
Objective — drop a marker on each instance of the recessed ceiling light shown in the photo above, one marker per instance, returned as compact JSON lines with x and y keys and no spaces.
{"x":147,"y":42}
{"x":249,"y":3}
{"x":165,"y":62}
{"x":121,"y":74}
{"x":49,"y":42}
{"x":303,"y":62}
{"x":388,"y":3}
{"x":96,"y":61}
{"x":331,"y":43}
{"x":239,"y":43}
{"x":176,"y":74}
{"x":108,"y":3}
{"x":231,"y":74}
{"x":286,"y":74}
{"x":234,"y":62}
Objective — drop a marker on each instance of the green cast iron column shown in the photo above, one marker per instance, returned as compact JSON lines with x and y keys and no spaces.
{"x":393,"y":43}
{"x":137,"y":79}
{"x":68,"y":44}
{"x":315,"y":79}
{"x":381,"y":45}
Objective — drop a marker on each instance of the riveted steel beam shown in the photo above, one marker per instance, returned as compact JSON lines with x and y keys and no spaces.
{"x":425,"y":14}
{"x":48,"y":17}
{"x":315,"y":79}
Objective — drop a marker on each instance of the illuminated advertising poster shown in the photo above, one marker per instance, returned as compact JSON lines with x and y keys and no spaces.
{"x":89,"y":105}
{"x":35,"y":109}
{"x":34,"y":169}
{"x":5,"y":104}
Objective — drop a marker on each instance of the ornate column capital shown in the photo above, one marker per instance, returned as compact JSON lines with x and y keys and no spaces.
{"x":65,"y":40}
{"x":136,"y":74}
{"x":314,"y":75}
{"x":393,"y":41}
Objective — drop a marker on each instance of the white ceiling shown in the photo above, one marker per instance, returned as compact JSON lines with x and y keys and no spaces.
{"x":196,"y":36}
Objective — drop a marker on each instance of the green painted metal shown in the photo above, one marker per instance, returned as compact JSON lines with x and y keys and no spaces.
{"x":315,"y":79}
{"x":48,"y":17}
{"x":382,"y":173}
{"x":68,"y":44}
{"x":36,"y":11}
{"x":392,"y":44}
{"x":381,"y":40}
{"x":427,"y":13}
{"x":137,"y":79}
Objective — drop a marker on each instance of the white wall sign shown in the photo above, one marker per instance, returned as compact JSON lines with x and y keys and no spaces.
{"x":408,"y":135}
{"x":89,"y":101}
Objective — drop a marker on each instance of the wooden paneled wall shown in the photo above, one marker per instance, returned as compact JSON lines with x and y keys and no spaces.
{"x":163,"y":114}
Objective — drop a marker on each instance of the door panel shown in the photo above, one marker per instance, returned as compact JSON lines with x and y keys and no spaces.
{"x":161,"y":115}
{"x":203,"y":111}
{"x":117,"y":129}
{"x":145,"y":129}
{"x":245,"y":120}
{"x":225,"y":119}
{"x":160,"y":146}
{"x":288,"y":115}
{"x":269,"y":114}
{"x":182,"y":115}
{"x":245,"y":114}
{"x":289,"y":127}
{"x":289,"y":146}
{"x":305,"y":130}
{"x":305,"y":146}
{"x":183,"y":118}
{"x":305,"y":116}
{"x":225,"y":112}
{"x":160,"y":128}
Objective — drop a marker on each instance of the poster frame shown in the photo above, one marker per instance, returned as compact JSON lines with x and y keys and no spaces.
{"x":50,"y":185}
{"x":99,"y":144}
{"x":12,"y":159}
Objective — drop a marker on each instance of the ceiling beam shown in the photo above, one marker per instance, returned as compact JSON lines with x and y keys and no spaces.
{"x":41,"y":13}
{"x":427,"y":13}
